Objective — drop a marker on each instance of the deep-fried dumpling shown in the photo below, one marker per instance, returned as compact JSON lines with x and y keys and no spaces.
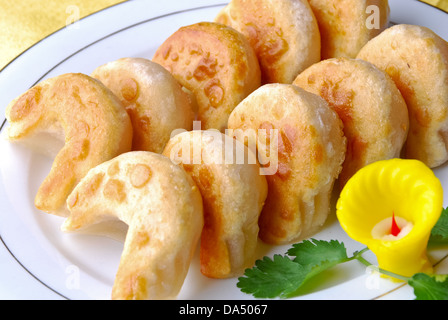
{"x":417,"y":60}
{"x":233,"y":193}
{"x":154,"y":100}
{"x":78,"y":114}
{"x":301,"y":144}
{"x":374,"y":113}
{"x":162,"y":207}
{"x":283,"y":33}
{"x":347,"y":25}
{"x":216,"y":63}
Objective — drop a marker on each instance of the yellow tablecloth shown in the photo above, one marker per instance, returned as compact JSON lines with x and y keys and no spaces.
{"x":442,"y":4}
{"x":24,"y":22}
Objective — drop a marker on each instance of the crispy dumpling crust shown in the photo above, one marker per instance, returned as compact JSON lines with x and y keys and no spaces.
{"x":309,"y":152}
{"x":156,"y":103}
{"x":417,"y":60}
{"x":233,"y":193}
{"x":83,"y":116}
{"x":374,"y":113}
{"x":283,"y":33}
{"x":347,"y":25}
{"x":216,"y":63}
{"x":162,"y":207}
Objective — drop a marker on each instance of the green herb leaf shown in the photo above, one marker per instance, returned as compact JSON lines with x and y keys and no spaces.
{"x":270,"y":278}
{"x":282,"y":277}
{"x":429,"y":287}
{"x":439,"y":233}
{"x":316,"y":252}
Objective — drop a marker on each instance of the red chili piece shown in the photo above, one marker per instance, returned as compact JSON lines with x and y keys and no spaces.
{"x":394,"y":230}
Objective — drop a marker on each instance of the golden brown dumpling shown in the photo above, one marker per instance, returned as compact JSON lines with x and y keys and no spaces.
{"x":80,"y":115}
{"x":347,"y":25}
{"x":233,"y":193}
{"x":214,"y":62}
{"x":162,"y":207}
{"x":283,"y":33}
{"x":154,"y":100}
{"x":301,"y":144}
{"x":374,"y":113}
{"x":417,"y":60}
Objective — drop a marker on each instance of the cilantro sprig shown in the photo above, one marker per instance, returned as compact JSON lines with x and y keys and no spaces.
{"x":439,"y":233}
{"x":283,"y":275}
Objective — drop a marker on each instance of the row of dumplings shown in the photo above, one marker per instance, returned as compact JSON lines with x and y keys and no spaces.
{"x":337,"y":103}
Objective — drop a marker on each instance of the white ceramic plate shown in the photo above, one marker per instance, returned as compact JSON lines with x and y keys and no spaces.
{"x":38,"y":261}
